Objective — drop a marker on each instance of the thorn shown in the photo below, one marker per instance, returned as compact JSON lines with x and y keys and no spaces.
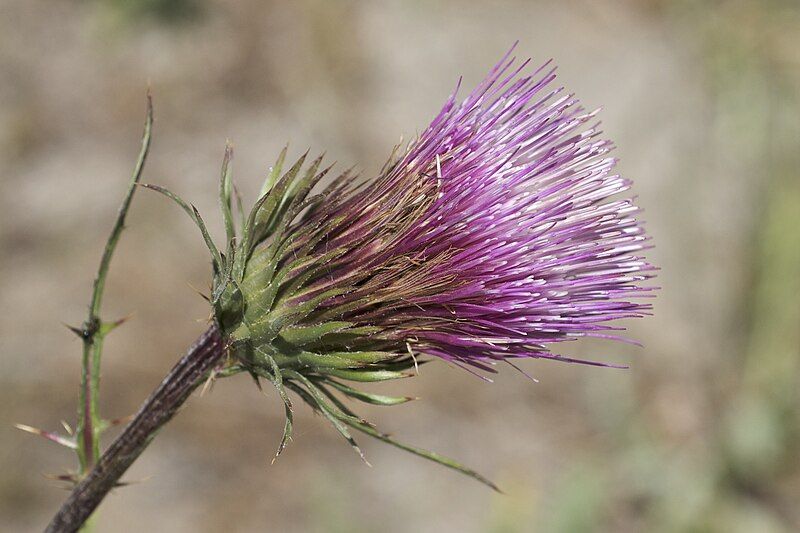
{"x":62,"y":477}
{"x":52,"y":437}
{"x":77,"y":331}
{"x":120,"y":421}
{"x":283,"y":446}
{"x":199,"y":292}
{"x":207,"y":386}
{"x":135,"y":482}
{"x":67,"y":427}
{"x":71,"y":479}
{"x":29,"y":429}
{"x":256,"y":380}
{"x":413,"y":358}
{"x":108,"y":327}
{"x":120,"y":321}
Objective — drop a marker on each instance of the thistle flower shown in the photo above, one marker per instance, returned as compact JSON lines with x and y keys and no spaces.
{"x":492,"y":236}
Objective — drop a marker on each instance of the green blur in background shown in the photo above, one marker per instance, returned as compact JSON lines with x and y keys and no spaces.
{"x":702,"y":433}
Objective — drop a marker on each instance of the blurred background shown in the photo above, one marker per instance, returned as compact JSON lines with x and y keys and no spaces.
{"x":702,"y":433}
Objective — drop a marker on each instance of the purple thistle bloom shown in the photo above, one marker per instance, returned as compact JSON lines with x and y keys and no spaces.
{"x":491,"y":236}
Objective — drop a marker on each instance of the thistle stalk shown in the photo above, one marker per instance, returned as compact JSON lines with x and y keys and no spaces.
{"x":159,"y":408}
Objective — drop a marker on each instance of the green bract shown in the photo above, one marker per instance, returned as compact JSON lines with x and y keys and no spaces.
{"x":266,"y":297}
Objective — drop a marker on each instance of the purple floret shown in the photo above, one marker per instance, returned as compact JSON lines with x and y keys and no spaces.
{"x":494,"y":234}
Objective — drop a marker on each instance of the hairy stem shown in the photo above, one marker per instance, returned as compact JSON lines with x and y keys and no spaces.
{"x":159,"y":408}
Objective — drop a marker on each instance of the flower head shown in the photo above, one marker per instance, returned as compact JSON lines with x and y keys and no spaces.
{"x":492,"y":236}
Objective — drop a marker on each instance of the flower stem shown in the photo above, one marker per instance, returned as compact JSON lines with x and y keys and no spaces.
{"x":94,"y":330}
{"x":156,"y":411}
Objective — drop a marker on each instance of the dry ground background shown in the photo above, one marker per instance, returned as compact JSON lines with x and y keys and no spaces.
{"x":701,"y":434}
